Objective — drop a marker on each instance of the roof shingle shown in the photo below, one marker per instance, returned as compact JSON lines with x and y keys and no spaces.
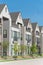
{"x":25,"y":21}
{"x":14,"y":16}
{"x":40,"y":27}
{"x":34,"y":25}
{"x":1,"y":7}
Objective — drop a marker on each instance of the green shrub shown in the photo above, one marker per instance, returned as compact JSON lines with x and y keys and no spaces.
{"x":5,"y":48}
{"x":34,"y":49}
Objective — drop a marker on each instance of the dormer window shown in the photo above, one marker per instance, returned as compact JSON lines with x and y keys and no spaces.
{"x":28,"y":29}
{"x":19,"y":24}
{"x":37,"y":33}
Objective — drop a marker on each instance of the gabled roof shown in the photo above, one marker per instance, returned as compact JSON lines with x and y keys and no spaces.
{"x":15,"y":26}
{"x":25,"y":21}
{"x":34,"y":25}
{"x":14,"y":16}
{"x":1,"y":7}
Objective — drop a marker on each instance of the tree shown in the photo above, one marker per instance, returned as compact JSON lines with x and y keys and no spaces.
{"x":5,"y":47}
{"x":23,"y":49}
{"x":15,"y":49}
{"x":34,"y":49}
{"x":19,"y":49}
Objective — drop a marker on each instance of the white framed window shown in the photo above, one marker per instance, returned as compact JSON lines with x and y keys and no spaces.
{"x":5,"y":33}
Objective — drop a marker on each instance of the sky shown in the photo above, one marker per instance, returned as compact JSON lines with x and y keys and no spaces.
{"x":32,"y":9}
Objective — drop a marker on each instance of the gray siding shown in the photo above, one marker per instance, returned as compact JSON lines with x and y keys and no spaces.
{"x":6,"y":27}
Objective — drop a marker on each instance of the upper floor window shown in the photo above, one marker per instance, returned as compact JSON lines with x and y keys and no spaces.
{"x":18,"y":35}
{"x":37,"y":33}
{"x":19,"y":24}
{"x":28,"y":38}
{"x":28,"y":29}
{"x":15,"y":35}
{"x":38,"y":40}
{"x":5,"y":33}
{"x":12,"y":34}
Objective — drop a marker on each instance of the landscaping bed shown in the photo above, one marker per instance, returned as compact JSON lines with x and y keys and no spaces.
{"x":10,"y":58}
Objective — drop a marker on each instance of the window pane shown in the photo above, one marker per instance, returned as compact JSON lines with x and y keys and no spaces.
{"x":28,"y":38}
{"x":15,"y":35}
{"x":18,"y":35}
{"x":5,"y":33}
{"x":28,"y":29}
{"x":12,"y":34}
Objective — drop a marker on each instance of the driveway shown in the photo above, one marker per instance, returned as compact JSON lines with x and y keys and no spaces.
{"x":24,"y":62}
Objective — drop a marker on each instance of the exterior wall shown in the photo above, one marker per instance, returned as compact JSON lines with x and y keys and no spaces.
{"x":6,"y":14}
{"x":41,"y":40}
{"x":34,"y":36}
{"x":0,"y":33}
{"x":37,"y":38}
{"x":19,"y":20}
{"x":30,"y":43}
{"x":29,"y":33}
{"x":18,"y":31}
{"x":1,"y":37}
{"x":23,"y":31}
{"x":6,"y":25}
{"x":12,"y":39}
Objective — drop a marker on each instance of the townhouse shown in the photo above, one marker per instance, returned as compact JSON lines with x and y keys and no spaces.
{"x":41,"y":39}
{"x":15,"y":29}
{"x":28,"y":34}
{"x":5,"y":26}
{"x":36,"y":35}
{"x":21,"y":31}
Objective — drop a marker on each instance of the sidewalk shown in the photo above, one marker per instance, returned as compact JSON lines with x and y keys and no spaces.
{"x":24,"y":62}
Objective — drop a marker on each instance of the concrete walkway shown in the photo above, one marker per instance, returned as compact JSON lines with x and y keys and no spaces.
{"x":24,"y":62}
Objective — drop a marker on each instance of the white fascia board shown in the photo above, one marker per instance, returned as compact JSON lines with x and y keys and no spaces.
{"x":5,"y":14}
{"x":37,"y":36}
{"x":19,"y":19}
{"x":15,"y":29}
{"x":28,"y":33}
